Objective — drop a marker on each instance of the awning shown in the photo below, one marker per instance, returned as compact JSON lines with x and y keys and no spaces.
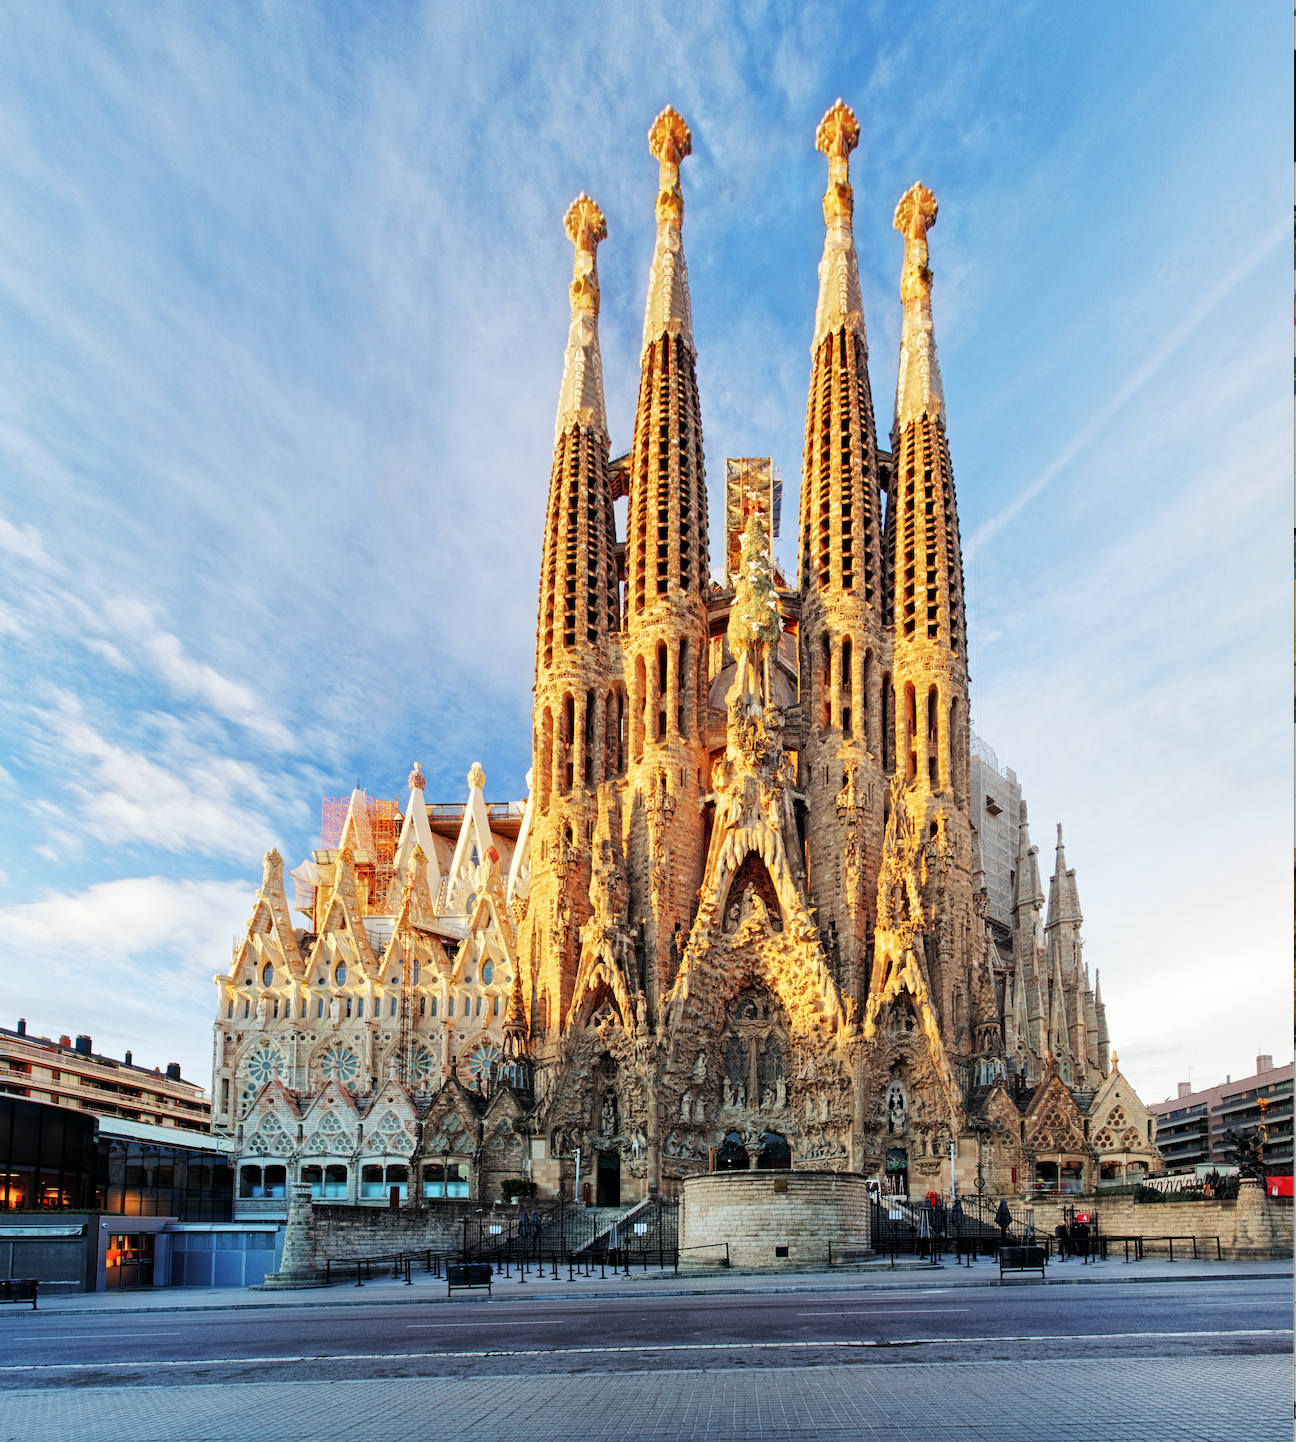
{"x":76,"y":1230}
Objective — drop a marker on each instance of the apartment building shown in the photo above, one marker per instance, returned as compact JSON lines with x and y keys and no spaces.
{"x":1191,"y":1126}
{"x":70,"y":1073}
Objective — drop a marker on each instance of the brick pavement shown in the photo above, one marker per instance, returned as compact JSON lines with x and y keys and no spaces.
{"x":1139,"y":1400}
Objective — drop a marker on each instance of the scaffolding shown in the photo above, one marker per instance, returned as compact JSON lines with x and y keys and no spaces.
{"x":753,"y":485}
{"x":374,"y":873}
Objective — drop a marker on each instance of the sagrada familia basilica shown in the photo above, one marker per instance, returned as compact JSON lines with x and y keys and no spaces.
{"x":741,"y":919}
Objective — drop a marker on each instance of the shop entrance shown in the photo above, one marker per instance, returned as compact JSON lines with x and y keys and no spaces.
{"x":130,"y":1260}
{"x":609,"y":1179}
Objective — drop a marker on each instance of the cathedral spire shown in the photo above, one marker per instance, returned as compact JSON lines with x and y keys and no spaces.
{"x":839,"y":287}
{"x":580,"y":398}
{"x":926,"y":565}
{"x":1028,"y":889}
{"x":1064,"y":900}
{"x":668,"y":310}
{"x":843,"y":642}
{"x":667,"y":575}
{"x":918,"y":387}
{"x":579,"y":604}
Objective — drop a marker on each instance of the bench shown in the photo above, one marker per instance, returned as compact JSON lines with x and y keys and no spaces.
{"x":468,"y":1275}
{"x":1021,"y":1259}
{"x":20,"y":1289}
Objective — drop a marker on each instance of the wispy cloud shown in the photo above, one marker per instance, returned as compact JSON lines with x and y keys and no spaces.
{"x":129,"y":960}
{"x":1175,"y":336}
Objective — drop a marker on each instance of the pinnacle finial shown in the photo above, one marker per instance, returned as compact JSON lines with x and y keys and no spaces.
{"x":580,"y":397}
{"x":585,"y":227}
{"x":914,"y":217}
{"x":669,"y":138}
{"x":918,"y":389}
{"x":584,"y":223}
{"x":839,"y":132}
{"x":417,"y":780}
{"x":668,"y":309}
{"x":476,"y":777}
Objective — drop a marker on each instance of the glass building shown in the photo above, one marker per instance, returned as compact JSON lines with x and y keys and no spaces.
{"x":48,"y":1157}
{"x":146,"y":1179}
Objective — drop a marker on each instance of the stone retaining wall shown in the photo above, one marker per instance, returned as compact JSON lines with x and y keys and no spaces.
{"x":1252,"y":1228}
{"x":759,"y":1213}
{"x":352,"y":1231}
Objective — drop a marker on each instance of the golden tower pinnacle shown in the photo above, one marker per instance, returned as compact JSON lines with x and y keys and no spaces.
{"x":918,"y":390}
{"x":668,"y":310}
{"x":838,"y":134}
{"x":580,"y":398}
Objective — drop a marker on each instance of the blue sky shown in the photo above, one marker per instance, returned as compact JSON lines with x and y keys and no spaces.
{"x":282,"y":313}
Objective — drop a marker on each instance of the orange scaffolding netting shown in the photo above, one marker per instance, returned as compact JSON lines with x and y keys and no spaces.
{"x":384,"y":818}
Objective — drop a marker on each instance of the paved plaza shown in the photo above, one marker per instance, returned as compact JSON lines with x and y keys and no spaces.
{"x":1142,"y":1400}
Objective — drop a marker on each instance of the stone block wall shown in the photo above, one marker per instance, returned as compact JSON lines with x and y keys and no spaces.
{"x":1252,"y":1228}
{"x":353,"y":1231}
{"x":759,"y":1213}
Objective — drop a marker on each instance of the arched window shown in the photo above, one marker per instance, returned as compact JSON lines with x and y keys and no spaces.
{"x":568,"y":741}
{"x":911,"y":730}
{"x":864,"y":721}
{"x":335,"y":1182}
{"x":546,"y":757}
{"x":844,"y":687}
{"x":731,"y":1155}
{"x":371,"y":1182}
{"x":267,"y":975}
{"x":956,"y":755}
{"x":590,"y":777}
{"x":313,"y":1177}
{"x":249,"y":1182}
{"x":276,"y":1182}
{"x":775,"y":1154}
{"x":663,"y":664}
{"x":888,"y":723}
{"x":639,"y":709}
{"x":825,"y":684}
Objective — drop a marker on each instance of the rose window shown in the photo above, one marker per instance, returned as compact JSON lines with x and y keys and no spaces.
{"x":339,"y":1064}
{"x":479,"y":1063}
{"x":264,"y":1066}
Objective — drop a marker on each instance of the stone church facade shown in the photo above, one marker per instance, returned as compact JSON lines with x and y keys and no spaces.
{"x":742,"y":920}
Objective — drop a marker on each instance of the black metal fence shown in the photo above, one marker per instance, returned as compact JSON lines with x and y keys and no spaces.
{"x":574,"y":1236}
{"x":974,"y":1226}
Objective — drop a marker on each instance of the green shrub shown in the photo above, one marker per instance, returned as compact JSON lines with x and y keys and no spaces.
{"x":512,"y":1187}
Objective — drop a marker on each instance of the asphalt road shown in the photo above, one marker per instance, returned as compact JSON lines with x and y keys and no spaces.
{"x":511,"y":1336}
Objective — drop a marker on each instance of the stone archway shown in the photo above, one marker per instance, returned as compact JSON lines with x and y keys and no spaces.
{"x":775,"y":1154}
{"x":731,"y":1155}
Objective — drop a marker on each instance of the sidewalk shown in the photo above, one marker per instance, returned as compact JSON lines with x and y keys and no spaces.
{"x":428,"y":1289}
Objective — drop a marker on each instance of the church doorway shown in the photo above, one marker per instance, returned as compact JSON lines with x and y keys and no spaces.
{"x":775,"y":1154}
{"x":609,"y":1180}
{"x":897,"y":1172}
{"x":731,"y":1155}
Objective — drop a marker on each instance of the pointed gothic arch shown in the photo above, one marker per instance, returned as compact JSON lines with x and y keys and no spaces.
{"x":751,"y":876}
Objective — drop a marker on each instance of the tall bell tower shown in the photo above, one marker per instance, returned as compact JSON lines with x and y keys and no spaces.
{"x":845,"y":651}
{"x":579,"y":699}
{"x":667,"y":579}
